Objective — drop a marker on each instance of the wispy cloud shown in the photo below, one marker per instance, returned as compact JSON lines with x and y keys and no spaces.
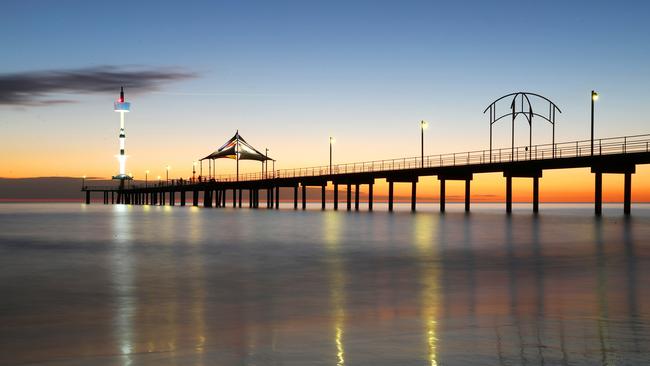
{"x":32,"y":88}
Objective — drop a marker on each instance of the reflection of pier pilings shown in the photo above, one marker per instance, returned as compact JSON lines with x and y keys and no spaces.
{"x":632,"y":283}
{"x":601,"y":293}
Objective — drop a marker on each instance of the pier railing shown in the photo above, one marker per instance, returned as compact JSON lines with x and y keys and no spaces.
{"x":581,"y":148}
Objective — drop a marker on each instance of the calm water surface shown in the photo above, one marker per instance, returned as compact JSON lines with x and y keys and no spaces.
{"x":120,"y":285}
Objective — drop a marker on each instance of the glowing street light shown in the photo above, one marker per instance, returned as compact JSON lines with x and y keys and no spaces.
{"x":594,"y":97}
{"x":332,"y":141}
{"x":423,"y":126}
{"x":158,"y":180}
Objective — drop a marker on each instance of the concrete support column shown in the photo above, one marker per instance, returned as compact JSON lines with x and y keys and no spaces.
{"x":277,"y":197}
{"x":295,"y":197}
{"x":336,"y":196}
{"x":370,"y":198}
{"x":598,"y":194}
{"x":467,"y":194}
{"x":240,"y":197}
{"x":223,"y":198}
{"x":349,"y":197}
{"x":535,"y":194}
{"x":234,"y":197}
{"x":413,"y":195}
{"x":442,"y":195}
{"x":182,"y":198}
{"x":250,"y":198}
{"x":207,"y":199}
{"x":87,"y":197}
{"x":390,"y":196}
{"x":112,"y":197}
{"x":304,"y":196}
{"x":162,"y":198}
{"x":356,"y":197}
{"x":322,"y":197}
{"x":172,"y":198}
{"x":627,"y":194}
{"x":508,"y":194}
{"x":195,"y":198}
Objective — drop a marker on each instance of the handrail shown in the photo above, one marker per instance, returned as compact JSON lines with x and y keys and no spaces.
{"x":571,"y":149}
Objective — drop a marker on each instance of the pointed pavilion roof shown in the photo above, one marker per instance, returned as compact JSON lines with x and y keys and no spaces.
{"x":230,"y":148}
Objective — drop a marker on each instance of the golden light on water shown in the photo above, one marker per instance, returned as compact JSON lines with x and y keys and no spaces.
{"x":332,"y":235}
{"x":424,"y":228}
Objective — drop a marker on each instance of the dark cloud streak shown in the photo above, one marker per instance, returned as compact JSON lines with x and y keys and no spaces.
{"x":32,"y":88}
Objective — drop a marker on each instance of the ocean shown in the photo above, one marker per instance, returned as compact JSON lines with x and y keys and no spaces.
{"x":141,"y":285}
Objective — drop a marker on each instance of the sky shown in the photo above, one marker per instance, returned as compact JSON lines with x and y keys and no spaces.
{"x":289,"y":74}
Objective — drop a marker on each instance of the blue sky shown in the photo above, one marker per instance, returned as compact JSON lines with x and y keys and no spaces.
{"x":290,"y":73}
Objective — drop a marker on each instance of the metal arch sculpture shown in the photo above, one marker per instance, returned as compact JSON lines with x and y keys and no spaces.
{"x":528,"y":112}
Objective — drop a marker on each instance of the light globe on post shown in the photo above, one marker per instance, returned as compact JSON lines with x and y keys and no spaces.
{"x":146,"y":178}
{"x":594,"y":98}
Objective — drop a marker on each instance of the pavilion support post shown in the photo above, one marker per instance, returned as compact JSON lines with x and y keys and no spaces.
{"x":304,"y":196}
{"x":239,"y":197}
{"x":370,"y":186}
{"x":535,"y":194}
{"x":87,"y":197}
{"x":172,"y":198}
{"x":217,"y":198}
{"x":234,"y":197}
{"x":146,"y":198}
{"x":390,"y":196}
{"x":413,"y":195}
{"x":442,"y":195}
{"x":356,"y":197}
{"x":223,"y":197}
{"x":349,"y":197}
{"x":598,"y":194}
{"x":269,"y":197}
{"x":295,"y":197}
{"x":467,"y":194}
{"x":336,"y":196}
{"x":322,"y":197}
{"x":277,"y":197}
{"x":183,"y":198}
{"x":162,"y":198}
{"x":509,"y":194}
{"x":250,"y":198}
{"x":627,"y":194}
{"x":112,"y":197}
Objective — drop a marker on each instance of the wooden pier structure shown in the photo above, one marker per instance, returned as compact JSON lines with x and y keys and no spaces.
{"x":618,"y":155}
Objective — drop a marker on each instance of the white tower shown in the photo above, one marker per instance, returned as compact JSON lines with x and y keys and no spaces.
{"x":122,"y":107}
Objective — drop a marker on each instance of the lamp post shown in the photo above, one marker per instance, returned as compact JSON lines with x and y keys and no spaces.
{"x":159,"y":183}
{"x":273,"y":168}
{"x":146,"y":178}
{"x":332,"y":141}
{"x":423,"y":126}
{"x":266,"y":164}
{"x":193,"y":170}
{"x":167,"y":174}
{"x":83,"y":182}
{"x":594,"y":98}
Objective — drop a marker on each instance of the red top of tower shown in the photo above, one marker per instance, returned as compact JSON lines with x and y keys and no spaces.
{"x":122,"y":94}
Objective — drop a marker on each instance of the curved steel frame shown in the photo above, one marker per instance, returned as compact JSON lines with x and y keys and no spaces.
{"x":529,"y":114}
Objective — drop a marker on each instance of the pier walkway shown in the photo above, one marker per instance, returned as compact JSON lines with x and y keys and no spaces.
{"x":618,"y":155}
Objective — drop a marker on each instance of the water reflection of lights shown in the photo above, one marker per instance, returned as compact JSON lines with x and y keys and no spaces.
{"x":332,"y":235}
{"x":122,"y":276}
{"x":425,"y":227}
